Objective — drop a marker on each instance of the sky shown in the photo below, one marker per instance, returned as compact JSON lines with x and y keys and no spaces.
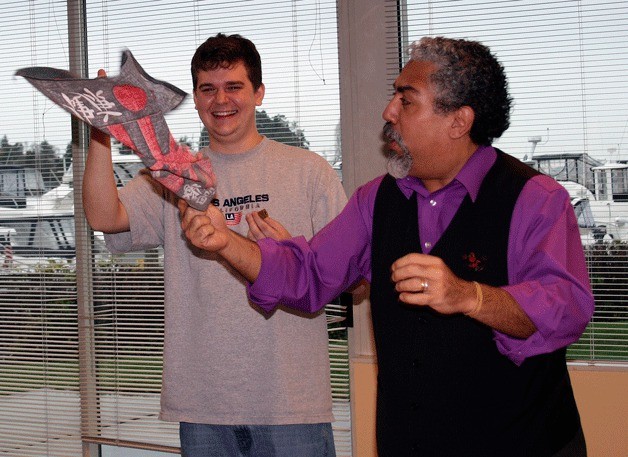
{"x":575,"y":100}
{"x":577,"y":52}
{"x":163,"y":39}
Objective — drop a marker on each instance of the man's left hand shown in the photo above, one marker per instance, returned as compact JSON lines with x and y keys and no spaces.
{"x":425,"y":280}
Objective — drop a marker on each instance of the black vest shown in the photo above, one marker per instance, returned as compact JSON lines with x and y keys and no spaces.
{"x":444,"y":390}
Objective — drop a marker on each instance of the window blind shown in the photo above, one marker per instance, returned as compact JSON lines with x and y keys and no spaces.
{"x":48,"y":406}
{"x":567,"y":75}
{"x":39,"y":370}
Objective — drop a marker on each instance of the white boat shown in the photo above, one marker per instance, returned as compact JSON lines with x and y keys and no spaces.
{"x":17,"y":183}
{"x":42,"y":231}
{"x":610,"y":206}
{"x":598,"y":191}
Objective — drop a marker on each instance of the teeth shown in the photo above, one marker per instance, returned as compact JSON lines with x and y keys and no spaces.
{"x":223,"y":113}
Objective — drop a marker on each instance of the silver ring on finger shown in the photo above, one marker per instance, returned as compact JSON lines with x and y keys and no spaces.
{"x":424,"y":285}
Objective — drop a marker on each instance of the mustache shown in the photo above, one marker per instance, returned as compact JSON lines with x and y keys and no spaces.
{"x":390,"y":134}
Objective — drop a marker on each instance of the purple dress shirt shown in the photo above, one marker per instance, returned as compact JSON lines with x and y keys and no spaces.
{"x":547,"y":272}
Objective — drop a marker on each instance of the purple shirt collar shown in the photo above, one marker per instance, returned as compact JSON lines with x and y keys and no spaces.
{"x":471,"y":175}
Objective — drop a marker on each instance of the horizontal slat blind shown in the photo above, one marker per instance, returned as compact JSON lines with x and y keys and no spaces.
{"x":298,"y":45}
{"x":567,"y":73}
{"x":39,"y":370}
{"x":297,"y":42}
{"x":41,"y":389}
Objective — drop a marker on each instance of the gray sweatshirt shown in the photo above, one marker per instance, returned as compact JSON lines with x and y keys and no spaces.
{"x":225,"y":360}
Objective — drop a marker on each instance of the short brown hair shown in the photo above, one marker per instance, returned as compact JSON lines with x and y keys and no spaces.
{"x":224,"y":51}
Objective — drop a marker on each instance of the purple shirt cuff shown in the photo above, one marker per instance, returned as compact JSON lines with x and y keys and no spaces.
{"x":279,"y":267}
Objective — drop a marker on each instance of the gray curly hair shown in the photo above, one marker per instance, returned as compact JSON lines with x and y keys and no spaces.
{"x":467,"y":75}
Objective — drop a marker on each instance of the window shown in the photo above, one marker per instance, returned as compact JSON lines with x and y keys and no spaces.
{"x":568,"y":79}
{"x":112,"y":397}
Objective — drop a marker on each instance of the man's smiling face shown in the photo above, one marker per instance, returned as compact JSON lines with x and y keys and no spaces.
{"x":225,"y":100}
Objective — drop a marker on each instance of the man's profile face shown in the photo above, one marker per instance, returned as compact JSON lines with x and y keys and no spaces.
{"x":226,"y":101}
{"x":411,"y":115}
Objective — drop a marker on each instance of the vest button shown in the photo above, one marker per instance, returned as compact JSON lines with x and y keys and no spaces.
{"x":414,"y":406}
{"x":416,"y":363}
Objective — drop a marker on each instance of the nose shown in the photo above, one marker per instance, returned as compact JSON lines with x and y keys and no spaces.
{"x":221,"y":96}
{"x":390,"y":112}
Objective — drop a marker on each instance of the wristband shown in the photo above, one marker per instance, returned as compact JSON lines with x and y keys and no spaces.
{"x":479,"y":297}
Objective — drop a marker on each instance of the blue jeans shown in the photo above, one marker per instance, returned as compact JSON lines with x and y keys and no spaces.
{"x":300,"y":440}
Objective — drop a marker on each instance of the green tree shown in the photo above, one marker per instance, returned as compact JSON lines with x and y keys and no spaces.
{"x":280,"y":129}
{"x":186,"y":141}
{"x":338,"y":136}
{"x":67,"y":157}
{"x":44,"y":157}
{"x":10,"y":154}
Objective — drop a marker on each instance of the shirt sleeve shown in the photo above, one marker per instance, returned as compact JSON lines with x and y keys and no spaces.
{"x":547,"y":271}
{"x":143,"y":199}
{"x":329,"y":197}
{"x":305,"y":276}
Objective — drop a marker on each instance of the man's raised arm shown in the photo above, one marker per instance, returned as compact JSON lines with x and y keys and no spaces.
{"x":208,"y":230}
{"x":103,"y":208}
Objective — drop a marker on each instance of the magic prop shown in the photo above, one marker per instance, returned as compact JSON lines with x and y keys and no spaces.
{"x":131,"y":107}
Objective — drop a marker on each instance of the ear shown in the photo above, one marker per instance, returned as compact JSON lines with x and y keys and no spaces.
{"x":462,"y":122}
{"x":259,"y":95}
{"x":194,"y":95}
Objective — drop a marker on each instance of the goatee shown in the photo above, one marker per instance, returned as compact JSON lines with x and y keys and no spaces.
{"x":398,"y":165}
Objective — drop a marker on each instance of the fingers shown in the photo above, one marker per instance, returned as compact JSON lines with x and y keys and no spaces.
{"x":197,"y":225}
{"x":95,"y":134}
{"x":188,"y":214}
{"x":182,"y":205}
{"x":414,"y":266}
{"x":421,"y":280}
{"x":425,"y":280}
{"x":255,"y":232}
{"x":414,"y":292}
{"x":262,"y":226}
{"x":414,"y":260}
{"x":277,"y":231}
{"x":412,"y":277}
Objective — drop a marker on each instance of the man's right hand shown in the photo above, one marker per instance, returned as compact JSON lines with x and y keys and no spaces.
{"x":98,"y":135}
{"x":205,"y":229}
{"x":208,"y":230}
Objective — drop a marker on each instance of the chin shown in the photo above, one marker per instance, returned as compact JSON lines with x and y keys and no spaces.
{"x":398,"y":167}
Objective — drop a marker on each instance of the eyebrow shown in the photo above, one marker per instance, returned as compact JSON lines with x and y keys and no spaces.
{"x":227,"y":83}
{"x":403,"y":89}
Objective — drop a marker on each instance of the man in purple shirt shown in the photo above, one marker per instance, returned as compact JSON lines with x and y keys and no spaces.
{"x":478,"y":278}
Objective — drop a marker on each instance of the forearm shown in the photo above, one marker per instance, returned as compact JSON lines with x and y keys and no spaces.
{"x":208,"y":230}
{"x":242,"y":254}
{"x":103,"y":209}
{"x":497,"y":309}
{"x":547,"y":272}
